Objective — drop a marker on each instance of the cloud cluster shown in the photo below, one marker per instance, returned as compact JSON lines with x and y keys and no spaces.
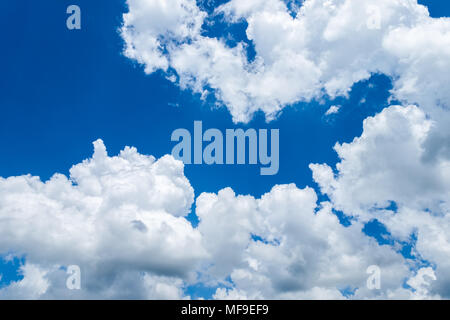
{"x":322,"y":48}
{"x":121,"y":219}
{"x":285,"y":246}
{"x":385,"y":174}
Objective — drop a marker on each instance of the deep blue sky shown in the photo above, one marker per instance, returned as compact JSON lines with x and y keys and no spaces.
{"x":60,"y":90}
{"x":63,"y":89}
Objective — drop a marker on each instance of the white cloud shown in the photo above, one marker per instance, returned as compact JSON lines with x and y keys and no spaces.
{"x":332,"y":110}
{"x":33,"y":285}
{"x":119,"y":218}
{"x":326,"y":48}
{"x":423,"y":53}
{"x":388,"y":163}
{"x":148,"y":21}
{"x":298,"y":253}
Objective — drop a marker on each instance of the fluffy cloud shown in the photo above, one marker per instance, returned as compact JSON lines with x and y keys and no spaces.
{"x":388,"y":164}
{"x":285,"y":246}
{"x":323,"y":48}
{"x":147,"y":21}
{"x":121,"y":219}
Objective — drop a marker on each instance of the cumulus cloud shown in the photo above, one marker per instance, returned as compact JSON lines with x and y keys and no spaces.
{"x":148,"y":21}
{"x":285,"y":246}
{"x":387,"y":163}
{"x":385,"y":174}
{"x":121,"y":219}
{"x":421,"y":282}
{"x":323,"y":47}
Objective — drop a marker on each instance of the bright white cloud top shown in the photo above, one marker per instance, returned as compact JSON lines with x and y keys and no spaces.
{"x":323,"y":50}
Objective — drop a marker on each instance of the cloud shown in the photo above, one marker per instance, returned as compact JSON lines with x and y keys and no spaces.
{"x":121,"y":219}
{"x":147,"y":21}
{"x":332,"y":110}
{"x":32,"y":286}
{"x":388,"y":165}
{"x":421,"y":282}
{"x":285,"y":246}
{"x":322,"y":48}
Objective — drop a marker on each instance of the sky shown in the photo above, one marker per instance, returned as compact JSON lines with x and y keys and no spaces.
{"x":62,"y":89}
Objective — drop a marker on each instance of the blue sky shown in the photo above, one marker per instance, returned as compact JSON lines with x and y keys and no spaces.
{"x":61,"y":90}
{"x":79,"y":87}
